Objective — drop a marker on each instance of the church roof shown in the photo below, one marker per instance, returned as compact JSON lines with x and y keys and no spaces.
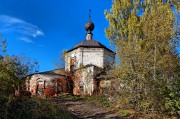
{"x":90,"y":44}
{"x":60,"y":72}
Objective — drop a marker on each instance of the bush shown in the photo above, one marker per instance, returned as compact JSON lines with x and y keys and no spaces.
{"x":171,"y":98}
{"x":3,"y":105}
{"x":32,"y":108}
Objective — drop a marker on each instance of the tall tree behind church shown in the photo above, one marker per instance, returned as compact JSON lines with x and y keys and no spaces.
{"x":143,"y":33}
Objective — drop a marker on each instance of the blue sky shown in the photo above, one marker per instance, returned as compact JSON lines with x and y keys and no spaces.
{"x":41,"y":29}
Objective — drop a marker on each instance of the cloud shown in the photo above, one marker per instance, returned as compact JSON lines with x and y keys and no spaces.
{"x":25,"y":39}
{"x":27,"y":32}
{"x":38,"y":33}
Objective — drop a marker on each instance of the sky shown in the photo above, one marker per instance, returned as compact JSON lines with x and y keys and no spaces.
{"x":41,"y":29}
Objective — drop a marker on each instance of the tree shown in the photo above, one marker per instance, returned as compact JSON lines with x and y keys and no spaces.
{"x":3,"y":45}
{"x":61,"y":62}
{"x":12,"y":70}
{"x":143,"y":34}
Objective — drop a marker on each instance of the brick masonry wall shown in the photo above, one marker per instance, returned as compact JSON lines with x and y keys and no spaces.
{"x":47,"y":85}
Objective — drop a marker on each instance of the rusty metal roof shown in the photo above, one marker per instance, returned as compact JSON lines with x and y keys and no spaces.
{"x":90,"y":44}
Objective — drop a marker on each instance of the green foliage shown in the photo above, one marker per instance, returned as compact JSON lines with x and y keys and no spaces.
{"x":3,"y":104}
{"x":8,"y":81}
{"x":146,"y":47}
{"x":102,"y":100}
{"x":3,"y":45}
{"x":32,"y":108}
{"x":12,"y":70}
{"x":81,"y":65}
{"x":124,"y":112}
{"x":171,"y":98}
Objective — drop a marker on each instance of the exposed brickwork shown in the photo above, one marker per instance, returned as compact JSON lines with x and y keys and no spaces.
{"x":48,"y":84}
{"x":82,"y":64}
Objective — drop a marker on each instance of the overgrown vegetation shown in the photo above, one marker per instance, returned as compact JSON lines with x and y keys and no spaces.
{"x":31,"y":108}
{"x":146,"y":35}
{"x":101,"y":100}
{"x":12,"y":70}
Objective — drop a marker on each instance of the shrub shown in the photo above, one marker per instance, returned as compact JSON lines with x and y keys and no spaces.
{"x":33,"y":108}
{"x":3,"y":103}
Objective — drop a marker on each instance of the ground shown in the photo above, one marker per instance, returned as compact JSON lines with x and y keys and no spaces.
{"x":84,"y":110}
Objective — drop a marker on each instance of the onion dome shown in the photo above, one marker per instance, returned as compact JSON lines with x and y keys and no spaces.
{"x":89,"y":26}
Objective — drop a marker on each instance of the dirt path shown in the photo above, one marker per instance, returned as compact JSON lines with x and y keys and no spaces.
{"x":84,"y":110}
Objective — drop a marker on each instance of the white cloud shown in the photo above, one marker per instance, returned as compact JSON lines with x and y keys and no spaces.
{"x":26,"y":31}
{"x":25,"y":39}
{"x":10,"y":20}
{"x":38,"y":33}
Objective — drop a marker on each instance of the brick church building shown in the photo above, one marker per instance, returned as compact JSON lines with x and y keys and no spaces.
{"x":83,"y":64}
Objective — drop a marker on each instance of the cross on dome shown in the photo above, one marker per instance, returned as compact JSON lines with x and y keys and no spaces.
{"x":89,"y":27}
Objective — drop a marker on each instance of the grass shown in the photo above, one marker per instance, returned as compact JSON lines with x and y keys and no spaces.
{"x":32,"y":108}
{"x":124,"y":112}
{"x":101,"y":100}
{"x":98,"y":99}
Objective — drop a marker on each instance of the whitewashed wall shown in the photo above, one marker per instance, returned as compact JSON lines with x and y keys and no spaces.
{"x":77,"y":55}
{"x":99,"y":57}
{"x":87,"y":81}
{"x":85,"y":56}
{"x":109,"y":58}
{"x":93,"y":56}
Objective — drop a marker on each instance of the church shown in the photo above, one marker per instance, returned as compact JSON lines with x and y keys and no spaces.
{"x":83,"y":64}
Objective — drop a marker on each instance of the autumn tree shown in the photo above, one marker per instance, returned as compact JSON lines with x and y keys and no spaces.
{"x":2,"y":45}
{"x":61,"y":60}
{"x":144,"y":35}
{"x":12,"y":70}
